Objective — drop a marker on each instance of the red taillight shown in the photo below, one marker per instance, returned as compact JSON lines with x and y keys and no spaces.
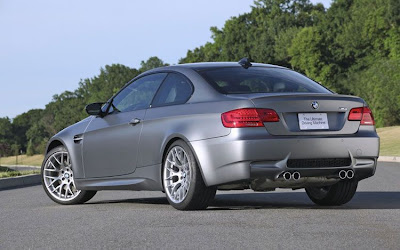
{"x":367,"y":118}
{"x":249,"y":117}
{"x":362,"y":114}
{"x":355,"y":114}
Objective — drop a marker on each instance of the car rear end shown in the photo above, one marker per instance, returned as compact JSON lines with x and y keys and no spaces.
{"x":302,"y":136}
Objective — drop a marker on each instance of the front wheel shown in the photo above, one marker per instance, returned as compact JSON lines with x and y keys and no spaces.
{"x":182,"y":180}
{"x":58,"y":179}
{"x":335,"y":195}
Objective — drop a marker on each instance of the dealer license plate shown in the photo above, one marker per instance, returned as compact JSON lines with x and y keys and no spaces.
{"x":309,"y":121}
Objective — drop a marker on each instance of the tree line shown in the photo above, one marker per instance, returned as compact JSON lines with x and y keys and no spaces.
{"x":353,"y":47}
{"x":30,"y":131}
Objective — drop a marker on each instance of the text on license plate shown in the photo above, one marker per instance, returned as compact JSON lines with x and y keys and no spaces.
{"x":313,"y":121}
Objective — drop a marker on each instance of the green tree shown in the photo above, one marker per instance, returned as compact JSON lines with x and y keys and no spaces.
{"x":36,"y":134}
{"x":65,"y":109}
{"x":5,"y":149}
{"x":6,"y":136}
{"x":100,"y":88}
{"x":30,"y":150}
{"x":15,"y":149}
{"x":151,"y":63}
{"x":5,"y":129}
{"x":306,"y":53}
{"x":283,"y":42}
{"x":392,"y":43}
{"x":258,"y":34}
{"x":69,"y":107}
{"x":379,"y":86}
{"x":21,"y":124}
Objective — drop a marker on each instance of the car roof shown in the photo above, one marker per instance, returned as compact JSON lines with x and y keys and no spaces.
{"x":213,"y":65}
{"x":210,"y":65}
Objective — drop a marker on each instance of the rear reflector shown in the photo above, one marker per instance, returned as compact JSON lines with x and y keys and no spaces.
{"x":248,"y":117}
{"x":363,"y":114}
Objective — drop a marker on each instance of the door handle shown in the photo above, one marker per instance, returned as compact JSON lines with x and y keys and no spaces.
{"x":78,"y":138}
{"x":134,"y":121}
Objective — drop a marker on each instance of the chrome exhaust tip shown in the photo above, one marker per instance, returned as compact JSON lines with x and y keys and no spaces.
{"x":350,"y":174}
{"x":296,"y":176}
{"x":343,"y":174}
{"x":287,"y":176}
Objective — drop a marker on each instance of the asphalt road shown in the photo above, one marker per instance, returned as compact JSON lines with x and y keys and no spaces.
{"x":237,"y":219}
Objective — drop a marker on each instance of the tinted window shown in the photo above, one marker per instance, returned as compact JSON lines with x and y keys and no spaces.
{"x":175,"y":90}
{"x":138,"y":94}
{"x":237,"y":80}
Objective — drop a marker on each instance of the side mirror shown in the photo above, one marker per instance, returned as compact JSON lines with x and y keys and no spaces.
{"x":94,"y":109}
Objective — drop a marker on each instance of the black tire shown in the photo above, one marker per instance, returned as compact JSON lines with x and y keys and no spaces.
{"x":335,"y":195}
{"x":82,"y":197}
{"x":198,"y":195}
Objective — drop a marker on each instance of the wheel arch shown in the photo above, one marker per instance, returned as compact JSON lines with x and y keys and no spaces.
{"x":53,"y":144}
{"x":74,"y":151}
{"x":171,"y":139}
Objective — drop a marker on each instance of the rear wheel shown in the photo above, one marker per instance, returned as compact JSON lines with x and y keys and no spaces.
{"x":335,"y":195}
{"x":182,"y":180}
{"x":58,"y":179}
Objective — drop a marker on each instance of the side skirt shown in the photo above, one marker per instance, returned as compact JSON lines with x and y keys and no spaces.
{"x":144,"y":178}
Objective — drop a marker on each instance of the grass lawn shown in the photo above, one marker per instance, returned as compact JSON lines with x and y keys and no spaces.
{"x":390,"y":141}
{"x":6,"y":172}
{"x":34,"y":160}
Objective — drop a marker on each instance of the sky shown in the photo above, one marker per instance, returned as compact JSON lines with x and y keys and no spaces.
{"x":47,"y":46}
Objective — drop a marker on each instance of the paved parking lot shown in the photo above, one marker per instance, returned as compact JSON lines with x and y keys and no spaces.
{"x":237,"y":219}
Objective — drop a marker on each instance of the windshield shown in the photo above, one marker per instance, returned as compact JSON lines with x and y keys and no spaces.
{"x":238,"y":80}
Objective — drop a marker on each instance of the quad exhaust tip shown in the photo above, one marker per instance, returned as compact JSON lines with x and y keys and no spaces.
{"x":346,"y":174}
{"x":296,"y":176}
{"x":350,"y":174}
{"x":287,"y":176}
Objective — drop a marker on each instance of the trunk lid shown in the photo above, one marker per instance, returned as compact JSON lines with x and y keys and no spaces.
{"x":310,"y":114}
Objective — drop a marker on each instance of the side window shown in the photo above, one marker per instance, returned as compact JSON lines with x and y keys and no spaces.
{"x":176,"y":89}
{"x":138,"y":94}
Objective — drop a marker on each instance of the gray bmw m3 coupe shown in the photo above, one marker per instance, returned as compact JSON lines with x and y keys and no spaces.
{"x":190,"y":129}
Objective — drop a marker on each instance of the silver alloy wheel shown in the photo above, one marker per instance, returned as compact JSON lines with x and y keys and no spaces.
{"x":177,"y":174}
{"x":59,"y":178}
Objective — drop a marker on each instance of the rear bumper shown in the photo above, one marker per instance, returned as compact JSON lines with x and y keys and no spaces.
{"x":252,"y":153}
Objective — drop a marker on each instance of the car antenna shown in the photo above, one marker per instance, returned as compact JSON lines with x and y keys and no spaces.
{"x":245,"y":62}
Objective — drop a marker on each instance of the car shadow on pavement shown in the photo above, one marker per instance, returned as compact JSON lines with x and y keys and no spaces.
{"x":286,"y":200}
{"x":361,"y":200}
{"x":153,"y":200}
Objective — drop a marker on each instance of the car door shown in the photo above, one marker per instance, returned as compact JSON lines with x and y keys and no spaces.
{"x":167,"y":115}
{"x":110,"y":143}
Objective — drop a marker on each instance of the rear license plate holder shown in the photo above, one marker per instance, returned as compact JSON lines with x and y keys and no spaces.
{"x":313,"y":121}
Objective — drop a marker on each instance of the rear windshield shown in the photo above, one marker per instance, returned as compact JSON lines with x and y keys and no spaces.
{"x":238,"y":80}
